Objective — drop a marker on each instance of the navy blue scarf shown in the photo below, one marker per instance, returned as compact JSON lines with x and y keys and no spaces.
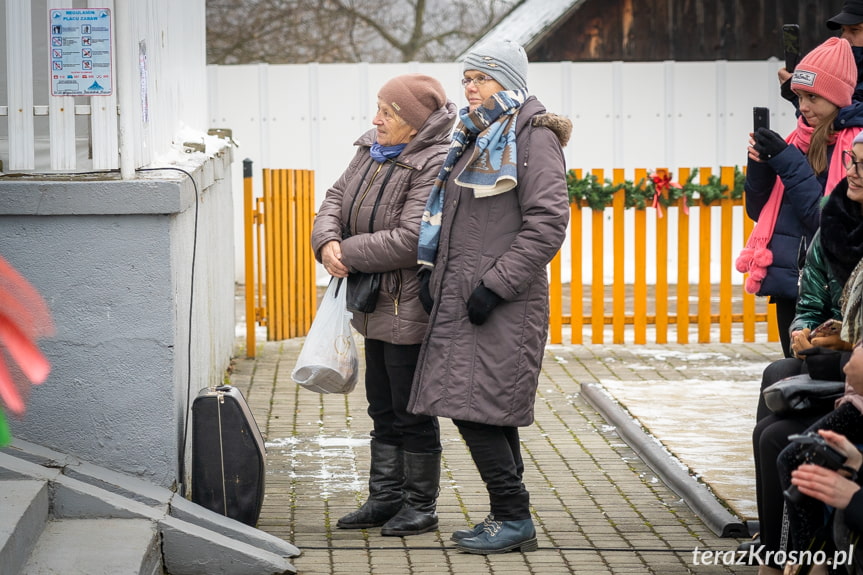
{"x":381,"y":154}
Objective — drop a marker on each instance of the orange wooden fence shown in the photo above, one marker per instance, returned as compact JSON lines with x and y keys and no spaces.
{"x":678,"y":306}
{"x":280,"y":267}
{"x":281,"y":291}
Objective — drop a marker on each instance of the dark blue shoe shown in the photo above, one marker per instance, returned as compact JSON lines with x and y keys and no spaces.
{"x":501,"y":537}
{"x":476,"y":530}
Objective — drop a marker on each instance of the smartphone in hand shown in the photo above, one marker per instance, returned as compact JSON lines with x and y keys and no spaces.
{"x":760,"y":118}
{"x":791,"y":45}
{"x":826,"y":329}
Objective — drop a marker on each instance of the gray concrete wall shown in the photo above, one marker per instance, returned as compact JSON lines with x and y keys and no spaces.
{"x":113,"y":260}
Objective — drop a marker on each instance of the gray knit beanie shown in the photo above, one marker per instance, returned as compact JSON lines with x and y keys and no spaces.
{"x":503,"y":60}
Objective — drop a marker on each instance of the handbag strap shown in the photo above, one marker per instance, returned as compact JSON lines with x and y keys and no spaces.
{"x":347,"y":230}
{"x":380,"y":195}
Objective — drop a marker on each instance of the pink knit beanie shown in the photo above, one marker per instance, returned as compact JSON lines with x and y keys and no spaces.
{"x":414,"y":97}
{"x":829,"y":71}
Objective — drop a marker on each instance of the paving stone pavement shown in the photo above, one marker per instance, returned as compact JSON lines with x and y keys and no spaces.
{"x":699,"y":401}
{"x":597,"y":506}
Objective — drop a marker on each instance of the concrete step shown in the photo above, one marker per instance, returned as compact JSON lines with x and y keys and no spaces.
{"x":96,"y":547}
{"x":191,"y":539}
{"x":24,"y":504}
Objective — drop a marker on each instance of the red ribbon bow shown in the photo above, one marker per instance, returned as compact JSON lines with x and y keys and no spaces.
{"x":661,"y":183}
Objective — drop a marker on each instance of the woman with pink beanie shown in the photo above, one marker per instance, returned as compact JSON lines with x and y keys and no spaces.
{"x":786,"y":184}
{"x":787,"y":179}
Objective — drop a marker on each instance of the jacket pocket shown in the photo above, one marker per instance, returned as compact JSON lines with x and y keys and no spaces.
{"x":484,"y":264}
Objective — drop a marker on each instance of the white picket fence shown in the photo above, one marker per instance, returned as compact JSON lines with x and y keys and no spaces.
{"x":158,"y":57}
{"x":625,"y":115}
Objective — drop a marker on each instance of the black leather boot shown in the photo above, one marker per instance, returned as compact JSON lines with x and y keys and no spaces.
{"x":386,"y":476}
{"x":422,"y":480}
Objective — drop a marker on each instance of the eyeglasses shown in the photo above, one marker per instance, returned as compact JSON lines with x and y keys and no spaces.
{"x":849,"y":160}
{"x":478,"y":81}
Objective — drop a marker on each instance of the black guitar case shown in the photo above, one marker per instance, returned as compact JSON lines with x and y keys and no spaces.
{"x":228,"y":455}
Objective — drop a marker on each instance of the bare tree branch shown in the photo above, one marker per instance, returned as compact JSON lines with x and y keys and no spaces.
{"x":299,"y":31}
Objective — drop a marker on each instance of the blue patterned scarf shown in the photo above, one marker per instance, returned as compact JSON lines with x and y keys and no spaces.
{"x":491,"y":169}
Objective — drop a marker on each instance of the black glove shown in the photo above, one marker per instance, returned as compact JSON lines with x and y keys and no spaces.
{"x":424,"y":276}
{"x":768,"y":143}
{"x":481,"y":303}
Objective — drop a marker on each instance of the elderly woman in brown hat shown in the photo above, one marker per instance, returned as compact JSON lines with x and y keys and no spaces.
{"x":369,"y":222}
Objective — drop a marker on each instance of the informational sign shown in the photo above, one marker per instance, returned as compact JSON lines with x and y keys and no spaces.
{"x":81,"y":52}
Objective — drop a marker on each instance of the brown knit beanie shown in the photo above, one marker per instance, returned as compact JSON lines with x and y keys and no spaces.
{"x":828,"y":70}
{"x":414,"y":97}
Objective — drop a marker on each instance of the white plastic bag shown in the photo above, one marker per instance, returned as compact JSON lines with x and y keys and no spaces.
{"x":328,"y":362}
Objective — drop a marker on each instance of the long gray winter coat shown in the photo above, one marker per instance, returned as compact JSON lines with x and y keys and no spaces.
{"x":489,"y":373}
{"x":392,"y":247}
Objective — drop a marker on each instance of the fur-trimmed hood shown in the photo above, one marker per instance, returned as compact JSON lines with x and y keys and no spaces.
{"x":560,"y":125}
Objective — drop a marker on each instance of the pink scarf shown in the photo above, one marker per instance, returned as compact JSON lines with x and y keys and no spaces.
{"x":756,"y":257}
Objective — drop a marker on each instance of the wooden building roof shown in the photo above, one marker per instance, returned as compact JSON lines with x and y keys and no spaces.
{"x":656,"y":30}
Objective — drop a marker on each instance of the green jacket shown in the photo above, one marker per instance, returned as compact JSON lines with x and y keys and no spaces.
{"x":819,"y":291}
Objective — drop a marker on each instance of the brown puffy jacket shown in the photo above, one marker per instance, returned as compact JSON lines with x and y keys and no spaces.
{"x":489,"y":373}
{"x":392,"y":246}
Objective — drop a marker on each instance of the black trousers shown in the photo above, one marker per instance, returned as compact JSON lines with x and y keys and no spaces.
{"x":389,"y":376}
{"x":786,"y":309}
{"x":769,"y":438}
{"x":496,"y":451}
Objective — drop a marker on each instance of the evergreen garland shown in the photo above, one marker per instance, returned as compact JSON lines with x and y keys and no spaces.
{"x":597,"y":195}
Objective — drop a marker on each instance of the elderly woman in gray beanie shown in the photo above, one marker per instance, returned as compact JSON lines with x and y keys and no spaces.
{"x":369,"y":222}
{"x":495,"y":218}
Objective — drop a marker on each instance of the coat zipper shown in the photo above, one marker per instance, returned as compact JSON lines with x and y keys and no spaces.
{"x":398,"y":293}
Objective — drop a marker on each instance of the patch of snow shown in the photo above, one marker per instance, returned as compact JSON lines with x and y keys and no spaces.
{"x":336,"y":471}
{"x":665,"y":354}
{"x":178,"y":155}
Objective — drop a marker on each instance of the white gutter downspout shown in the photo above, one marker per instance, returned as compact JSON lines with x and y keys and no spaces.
{"x":125,"y":86}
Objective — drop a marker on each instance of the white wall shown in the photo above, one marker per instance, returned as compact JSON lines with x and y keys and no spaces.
{"x":629,"y":115}
{"x":158,"y":58}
